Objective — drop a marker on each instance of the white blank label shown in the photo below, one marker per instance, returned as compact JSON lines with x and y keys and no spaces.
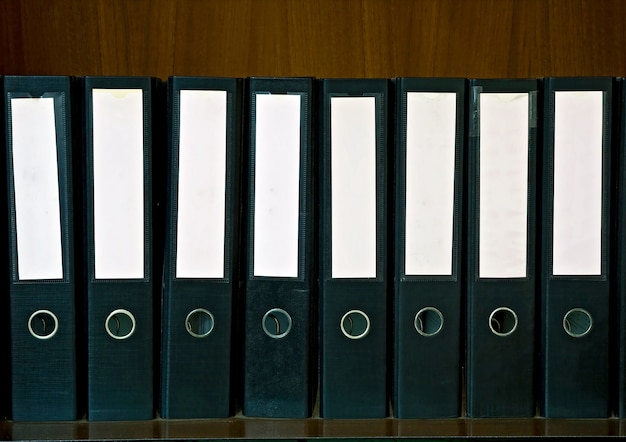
{"x":353,"y":187}
{"x":430,"y":155}
{"x":118,"y":169}
{"x":201,"y":185}
{"x":577,"y":226}
{"x":36,"y":184}
{"x":276,"y":185}
{"x":503,"y":204}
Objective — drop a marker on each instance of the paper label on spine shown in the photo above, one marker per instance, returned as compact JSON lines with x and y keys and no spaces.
{"x":430,"y":157}
{"x":36,"y":186}
{"x":503,"y":206}
{"x":577,"y":223}
{"x":201,"y":185}
{"x":118,"y":168}
{"x":277,"y":185}
{"x":353,"y":187}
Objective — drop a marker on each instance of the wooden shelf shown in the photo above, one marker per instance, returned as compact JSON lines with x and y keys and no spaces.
{"x":242,"y":428}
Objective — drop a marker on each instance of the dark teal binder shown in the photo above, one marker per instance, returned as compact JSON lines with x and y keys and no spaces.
{"x":200,"y":279}
{"x":43,"y":220}
{"x":279,"y":297}
{"x":429,"y":181}
{"x":618,"y":303}
{"x":353,"y":248}
{"x":576,"y":275}
{"x":122,"y":249}
{"x":501,"y":235}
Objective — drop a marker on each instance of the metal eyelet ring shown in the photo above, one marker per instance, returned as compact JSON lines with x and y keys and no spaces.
{"x":428,"y":321}
{"x":199,"y":323}
{"x":355,"y":324}
{"x":577,"y":322}
{"x":120,"y":324}
{"x":43,"y":324}
{"x":276,"y":323}
{"x":503,"y":321}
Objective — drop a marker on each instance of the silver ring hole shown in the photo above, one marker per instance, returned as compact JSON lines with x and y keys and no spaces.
{"x":43,"y":324}
{"x":577,"y":322}
{"x":120,"y":324}
{"x":199,"y":323}
{"x":355,"y":324}
{"x":276,"y":323}
{"x":503,"y":321}
{"x":428,"y":321}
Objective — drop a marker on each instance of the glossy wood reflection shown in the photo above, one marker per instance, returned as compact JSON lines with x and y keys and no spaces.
{"x":242,"y":428}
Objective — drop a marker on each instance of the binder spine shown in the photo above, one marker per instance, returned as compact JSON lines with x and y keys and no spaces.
{"x":500,"y":370}
{"x":190,"y":389}
{"x":353,"y":310}
{"x":278,"y":363}
{"x":427,"y":311}
{"x":120,"y":310}
{"x":575,"y":365}
{"x":42,"y":313}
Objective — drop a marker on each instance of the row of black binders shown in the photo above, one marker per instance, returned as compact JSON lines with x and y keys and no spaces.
{"x":210,"y":244}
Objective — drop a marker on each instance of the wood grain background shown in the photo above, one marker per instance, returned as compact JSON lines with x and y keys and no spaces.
{"x":321,"y":38}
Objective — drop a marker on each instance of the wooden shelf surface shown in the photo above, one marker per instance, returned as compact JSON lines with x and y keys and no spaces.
{"x":242,"y":428}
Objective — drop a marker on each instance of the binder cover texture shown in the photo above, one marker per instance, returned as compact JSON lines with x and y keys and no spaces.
{"x":428,"y":219}
{"x":353,"y":248}
{"x":278,"y":356}
{"x":42,"y":220}
{"x":200,"y":277}
{"x":502,"y":149}
{"x":575,"y":282}
{"x":122,"y":250}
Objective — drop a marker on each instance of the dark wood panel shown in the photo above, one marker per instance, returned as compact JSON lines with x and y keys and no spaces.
{"x":59,"y":37}
{"x":212,"y":39}
{"x":322,"y":38}
{"x":136,"y":37}
{"x":587,"y":37}
{"x":11,"y":45}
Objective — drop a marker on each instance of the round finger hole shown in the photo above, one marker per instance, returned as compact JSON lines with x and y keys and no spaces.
{"x":199,"y":323}
{"x":120,"y":324}
{"x":503,"y":321}
{"x":428,"y":321}
{"x":577,"y":322}
{"x":276,"y":323}
{"x":355,"y":324}
{"x":43,"y":324}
